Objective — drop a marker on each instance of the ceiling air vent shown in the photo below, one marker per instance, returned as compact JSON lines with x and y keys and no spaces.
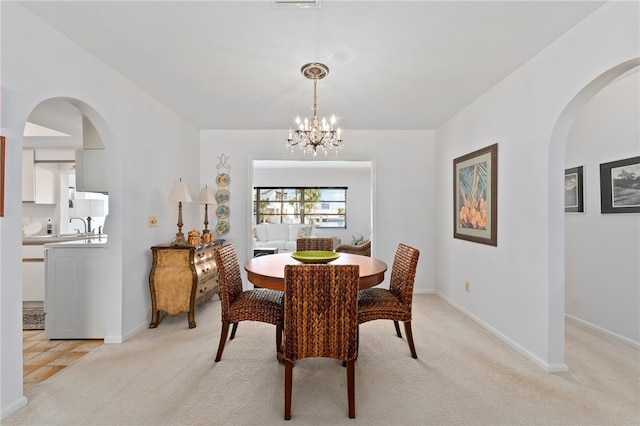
{"x":300,"y":4}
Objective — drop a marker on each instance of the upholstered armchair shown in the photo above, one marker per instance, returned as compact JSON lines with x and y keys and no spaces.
{"x":363,"y":248}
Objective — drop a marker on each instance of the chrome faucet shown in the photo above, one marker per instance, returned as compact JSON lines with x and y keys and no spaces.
{"x":83,"y":221}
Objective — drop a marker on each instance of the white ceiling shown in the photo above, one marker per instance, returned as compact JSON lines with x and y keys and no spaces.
{"x":236,"y":64}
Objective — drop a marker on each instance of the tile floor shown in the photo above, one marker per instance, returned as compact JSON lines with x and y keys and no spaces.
{"x":42,"y":358}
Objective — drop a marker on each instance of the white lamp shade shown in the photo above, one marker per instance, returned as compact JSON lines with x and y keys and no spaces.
{"x":206,"y":196}
{"x":89,"y":208}
{"x":180,"y":192}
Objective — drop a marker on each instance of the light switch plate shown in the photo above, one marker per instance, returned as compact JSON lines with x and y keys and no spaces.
{"x":152,"y":221}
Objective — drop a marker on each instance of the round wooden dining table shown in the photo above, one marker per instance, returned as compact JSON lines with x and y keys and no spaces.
{"x":268,"y":271}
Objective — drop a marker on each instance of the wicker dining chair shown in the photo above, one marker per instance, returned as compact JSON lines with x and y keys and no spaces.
{"x":306,"y":244}
{"x":396,"y":302}
{"x":363,"y":249}
{"x":321,"y":320}
{"x":244,"y":305}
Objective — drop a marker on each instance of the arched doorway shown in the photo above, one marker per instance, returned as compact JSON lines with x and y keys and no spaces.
{"x":556,"y":232}
{"x":602,"y":274}
{"x":68,"y":124}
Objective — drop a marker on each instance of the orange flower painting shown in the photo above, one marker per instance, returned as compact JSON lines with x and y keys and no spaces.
{"x":475,"y":196}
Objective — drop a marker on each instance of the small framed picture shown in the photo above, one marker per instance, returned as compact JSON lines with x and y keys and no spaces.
{"x":475,"y":196}
{"x":573,"y":190}
{"x":620,"y":186}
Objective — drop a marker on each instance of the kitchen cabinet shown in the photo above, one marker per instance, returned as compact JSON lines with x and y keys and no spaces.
{"x":38,"y":179}
{"x":33,"y":273}
{"x":180,"y":278}
{"x":28,"y":175}
{"x":55,"y":155}
{"x":75,"y":300}
{"x":91,"y":171}
{"x":46,"y":177}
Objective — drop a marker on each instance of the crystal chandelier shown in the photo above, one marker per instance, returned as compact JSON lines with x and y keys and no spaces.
{"x":316,"y":134}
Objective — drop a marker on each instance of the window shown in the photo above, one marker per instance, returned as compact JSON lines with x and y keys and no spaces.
{"x":322,"y":207}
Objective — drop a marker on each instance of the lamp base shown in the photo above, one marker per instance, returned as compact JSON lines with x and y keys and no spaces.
{"x":180,"y":240}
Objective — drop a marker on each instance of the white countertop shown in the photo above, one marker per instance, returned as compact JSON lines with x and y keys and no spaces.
{"x":86,"y":243}
{"x":31,"y":240}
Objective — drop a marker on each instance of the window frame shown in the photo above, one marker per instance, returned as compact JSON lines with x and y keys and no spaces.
{"x":303,"y":215}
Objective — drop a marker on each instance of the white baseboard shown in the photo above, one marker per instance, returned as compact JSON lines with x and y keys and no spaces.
{"x":13,"y":407}
{"x":608,"y":333}
{"x":123,"y":338}
{"x":549,"y":368}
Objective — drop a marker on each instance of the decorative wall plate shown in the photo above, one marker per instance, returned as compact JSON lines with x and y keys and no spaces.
{"x":223,"y":179}
{"x":222,"y":211}
{"x":223,"y":227}
{"x":222,"y":196}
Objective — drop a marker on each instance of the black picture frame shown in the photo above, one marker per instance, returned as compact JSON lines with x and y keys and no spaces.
{"x":475,"y":196}
{"x":574,"y":190}
{"x":620,"y":186}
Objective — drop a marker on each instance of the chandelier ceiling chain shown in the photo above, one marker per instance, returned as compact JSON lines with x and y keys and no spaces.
{"x":316,"y":134}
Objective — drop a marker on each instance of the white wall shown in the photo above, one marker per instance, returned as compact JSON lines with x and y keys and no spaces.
{"x":403,"y":193}
{"x":517,"y":287}
{"x":602,"y":257}
{"x":357,"y":178}
{"x":38,"y":64}
{"x":513,"y":288}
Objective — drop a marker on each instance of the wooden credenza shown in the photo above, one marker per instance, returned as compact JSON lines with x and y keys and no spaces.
{"x":182,"y":277}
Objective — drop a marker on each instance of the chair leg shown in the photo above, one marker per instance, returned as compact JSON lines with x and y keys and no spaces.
{"x":395,"y":323}
{"x":233,"y":331}
{"x":279,"y":355}
{"x":407,"y":330}
{"x":223,"y":339}
{"x":344,"y":363}
{"x":288,"y":380}
{"x":351,"y":384}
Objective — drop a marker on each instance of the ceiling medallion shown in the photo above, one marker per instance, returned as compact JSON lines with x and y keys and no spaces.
{"x":316,"y":134}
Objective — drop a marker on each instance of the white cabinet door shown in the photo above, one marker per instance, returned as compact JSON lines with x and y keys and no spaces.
{"x":28,"y":176}
{"x":57,"y":155}
{"x":76,"y":293}
{"x":91,"y":171}
{"x":46,"y":177}
{"x":33,"y":273}
{"x":39,"y":180}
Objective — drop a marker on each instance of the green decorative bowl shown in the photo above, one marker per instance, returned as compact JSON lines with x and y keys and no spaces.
{"x":314,"y":256}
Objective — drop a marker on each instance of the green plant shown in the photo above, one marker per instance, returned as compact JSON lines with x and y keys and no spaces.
{"x":356,"y":239}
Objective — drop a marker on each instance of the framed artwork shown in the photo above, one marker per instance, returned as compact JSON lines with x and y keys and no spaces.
{"x":475,"y":196}
{"x":2,"y":173}
{"x":573,"y":190}
{"x":620,"y":186}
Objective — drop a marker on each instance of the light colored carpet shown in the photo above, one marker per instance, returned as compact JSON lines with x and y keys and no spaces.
{"x":464,"y":376}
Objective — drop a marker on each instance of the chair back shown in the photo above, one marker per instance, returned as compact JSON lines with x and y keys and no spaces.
{"x":229,"y":276}
{"x":321,"y":311}
{"x":306,"y":244}
{"x":403,"y":273}
{"x":363,"y":249}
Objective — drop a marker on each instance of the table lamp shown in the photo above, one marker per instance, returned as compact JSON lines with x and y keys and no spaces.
{"x":180,"y":194}
{"x":207,"y":198}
